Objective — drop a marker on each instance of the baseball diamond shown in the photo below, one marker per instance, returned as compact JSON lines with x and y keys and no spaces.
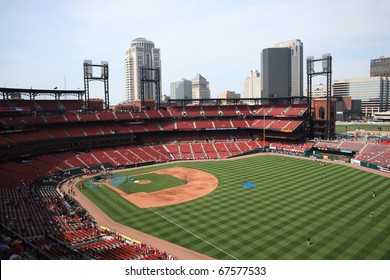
{"x":272,"y":220}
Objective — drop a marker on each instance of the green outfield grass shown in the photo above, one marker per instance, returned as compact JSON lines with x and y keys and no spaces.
{"x":291,"y":199}
{"x":380,"y":127}
{"x":159,"y":182}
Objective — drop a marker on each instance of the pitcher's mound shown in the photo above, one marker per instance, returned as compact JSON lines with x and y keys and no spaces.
{"x":143,"y":182}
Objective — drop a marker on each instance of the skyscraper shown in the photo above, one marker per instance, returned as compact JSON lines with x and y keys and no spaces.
{"x":296,"y":47}
{"x":181,"y":89}
{"x":252,"y":85}
{"x":200,"y":88}
{"x":142,"y":53}
{"x":380,"y":67}
{"x":374,"y":92}
{"x":276,"y":72}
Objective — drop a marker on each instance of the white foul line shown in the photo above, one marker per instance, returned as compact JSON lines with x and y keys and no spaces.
{"x":197,"y":236}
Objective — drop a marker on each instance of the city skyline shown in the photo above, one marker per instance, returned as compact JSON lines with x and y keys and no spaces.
{"x":45,"y":43}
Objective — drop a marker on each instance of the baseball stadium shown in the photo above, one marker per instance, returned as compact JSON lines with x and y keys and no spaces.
{"x":189,"y":180}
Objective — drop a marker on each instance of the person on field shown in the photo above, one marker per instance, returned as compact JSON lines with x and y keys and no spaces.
{"x":308,"y":239}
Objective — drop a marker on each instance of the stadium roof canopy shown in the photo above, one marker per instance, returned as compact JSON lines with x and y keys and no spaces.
{"x":9,"y":93}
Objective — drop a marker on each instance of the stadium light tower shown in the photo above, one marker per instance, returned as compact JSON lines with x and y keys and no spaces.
{"x":327,"y":71}
{"x":88,"y":76}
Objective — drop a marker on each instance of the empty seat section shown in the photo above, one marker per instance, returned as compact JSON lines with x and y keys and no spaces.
{"x":278,"y":125}
{"x":232,"y":148}
{"x":34,"y":120}
{"x":19,"y":137}
{"x":176,"y":111}
{"x":292,"y":125}
{"x":296,"y":110}
{"x":278,"y":111}
{"x":197,"y":150}
{"x":192,"y":111}
{"x":158,"y":156}
{"x":209,"y":150}
{"x":88,"y":117}
{"x":203,"y":124}
{"x":89,"y":159}
{"x":75,"y":130}
{"x":48,"y":105}
{"x":211,"y":111}
{"x":41,"y":134}
{"x":352,"y":145}
{"x":136,"y":128}
{"x":165,"y":113}
{"x":129,"y":155}
{"x":173,"y":150}
{"x":221,"y":149}
{"x":161,"y":150}
{"x":228,"y":110}
{"x":116,"y":128}
{"x":55,"y":162}
{"x":239,"y":123}
{"x":92,"y":129}
{"x":153,"y":114}
{"x":139,"y":115}
{"x":104,"y":128}
{"x":254,"y":144}
{"x":123,"y":116}
{"x":118,"y":158}
{"x":72,"y":105}
{"x":168,"y":125}
{"x":24,"y":103}
{"x":243,"y":109}
{"x":56,"y":119}
{"x":145,"y":157}
{"x":57,"y":132}
{"x":151,"y":126}
{"x":185,"y":151}
{"x":71,"y":159}
{"x":106,"y":116}
{"x":5,"y":140}
{"x":222,"y":124}
{"x":243,"y":146}
{"x":185,"y":125}
{"x":261,"y":123}
{"x":72,"y":117}
{"x":104,"y":158}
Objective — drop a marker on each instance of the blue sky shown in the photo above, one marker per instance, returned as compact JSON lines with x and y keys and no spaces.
{"x":44,"y":43}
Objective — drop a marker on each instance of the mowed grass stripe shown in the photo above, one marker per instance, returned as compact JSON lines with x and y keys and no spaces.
{"x":271,"y":221}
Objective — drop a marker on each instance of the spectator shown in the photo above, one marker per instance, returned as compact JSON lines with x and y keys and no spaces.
{"x":17,"y":253}
{"x":5,"y":243}
{"x":15,"y":248}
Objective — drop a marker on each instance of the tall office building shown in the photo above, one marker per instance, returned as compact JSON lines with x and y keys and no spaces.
{"x":200,"y":88}
{"x":181,"y":89}
{"x":374,"y":92}
{"x":142,"y":53}
{"x":252,"y":85}
{"x":296,"y":47}
{"x":380,"y":67}
{"x":276,"y":72}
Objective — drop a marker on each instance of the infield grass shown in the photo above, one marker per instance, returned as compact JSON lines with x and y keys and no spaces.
{"x":291,"y":199}
{"x":158,"y":182}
